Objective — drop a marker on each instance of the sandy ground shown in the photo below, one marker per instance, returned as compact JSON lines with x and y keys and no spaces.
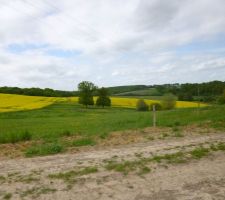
{"x":197,"y":179}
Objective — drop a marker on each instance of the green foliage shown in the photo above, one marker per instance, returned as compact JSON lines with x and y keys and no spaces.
{"x":84,"y":142}
{"x":168,"y":101}
{"x":221,"y":99}
{"x":44,"y":149}
{"x":47,"y":92}
{"x":185,"y":97}
{"x":86,"y":90}
{"x":141,"y":105}
{"x":158,"y":106}
{"x":103,"y":98}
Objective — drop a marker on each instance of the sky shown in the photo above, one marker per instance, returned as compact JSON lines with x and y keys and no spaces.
{"x":57,"y":44}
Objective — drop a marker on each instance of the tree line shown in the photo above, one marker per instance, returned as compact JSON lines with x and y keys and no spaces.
{"x":205,"y":92}
{"x":47,"y":92}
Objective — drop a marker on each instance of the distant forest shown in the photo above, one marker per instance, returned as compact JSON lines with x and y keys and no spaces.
{"x":208,"y":91}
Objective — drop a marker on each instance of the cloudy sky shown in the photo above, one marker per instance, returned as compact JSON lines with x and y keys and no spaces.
{"x":59,"y":43}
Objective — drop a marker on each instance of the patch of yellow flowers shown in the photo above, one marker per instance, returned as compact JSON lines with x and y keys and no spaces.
{"x":12,"y":102}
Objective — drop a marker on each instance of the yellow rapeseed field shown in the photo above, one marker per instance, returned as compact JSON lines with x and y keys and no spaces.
{"x":131,"y":103}
{"x":11,"y":102}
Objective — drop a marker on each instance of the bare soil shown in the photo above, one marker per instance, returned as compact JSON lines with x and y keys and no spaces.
{"x":203,"y":179}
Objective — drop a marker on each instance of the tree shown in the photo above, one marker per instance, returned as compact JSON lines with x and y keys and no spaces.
{"x":86,"y":90}
{"x":141,"y":105}
{"x":221,"y":99}
{"x":103,"y":98}
{"x":168,"y":101}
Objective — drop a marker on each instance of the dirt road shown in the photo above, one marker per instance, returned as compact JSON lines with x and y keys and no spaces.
{"x":85,"y":175}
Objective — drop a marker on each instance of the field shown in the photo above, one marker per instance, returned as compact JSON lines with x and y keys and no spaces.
{"x":49,"y":125}
{"x":109,"y":153}
{"x":9,"y":102}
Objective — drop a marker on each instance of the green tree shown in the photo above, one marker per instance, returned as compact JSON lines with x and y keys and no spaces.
{"x":86,"y":90}
{"x":168,"y":101}
{"x":103,"y":98}
{"x":221,"y":99}
{"x":141,"y":105}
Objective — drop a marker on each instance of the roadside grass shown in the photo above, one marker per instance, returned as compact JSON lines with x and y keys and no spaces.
{"x":7,"y":196}
{"x":200,"y":152}
{"x":68,"y":119}
{"x":14,"y":137}
{"x":70,"y":177}
{"x":141,"y":165}
{"x":44,"y":149}
{"x":83,"y":142}
{"x":35,"y":192}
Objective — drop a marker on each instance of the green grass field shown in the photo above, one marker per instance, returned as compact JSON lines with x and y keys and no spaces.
{"x":69,"y":118}
{"x":49,"y":127}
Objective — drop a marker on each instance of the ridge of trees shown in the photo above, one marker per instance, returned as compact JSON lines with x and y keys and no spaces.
{"x":208,"y":91}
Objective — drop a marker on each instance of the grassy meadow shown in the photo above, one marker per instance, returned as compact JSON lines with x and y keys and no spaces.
{"x":57,"y":118}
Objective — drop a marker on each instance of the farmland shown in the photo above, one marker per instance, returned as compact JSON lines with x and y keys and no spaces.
{"x":99,"y":146}
{"x":9,"y":102}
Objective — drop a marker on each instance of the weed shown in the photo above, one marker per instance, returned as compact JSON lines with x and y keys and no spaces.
{"x":164,"y":135}
{"x":2,"y":179}
{"x":104,"y":135}
{"x":178,"y":134}
{"x":84,"y":142}
{"x":44,"y":149}
{"x":7,"y":196}
{"x":66,"y":133}
{"x":199,"y":152}
{"x":144,"y":170}
{"x":71,"y":175}
{"x":175,"y":129}
{"x":221,"y":146}
{"x":37,"y":191}
{"x":150,"y":138}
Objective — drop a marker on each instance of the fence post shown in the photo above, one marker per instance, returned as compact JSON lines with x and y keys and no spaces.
{"x":154,"y":115}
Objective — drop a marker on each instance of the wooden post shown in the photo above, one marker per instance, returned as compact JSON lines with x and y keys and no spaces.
{"x":198,"y":101}
{"x":154,"y":115}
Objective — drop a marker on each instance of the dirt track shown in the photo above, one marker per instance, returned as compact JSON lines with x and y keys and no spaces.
{"x":197,"y":179}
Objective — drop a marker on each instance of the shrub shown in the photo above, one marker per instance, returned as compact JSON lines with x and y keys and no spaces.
{"x":158,"y":106}
{"x":141,"y":105}
{"x":168,"y":101}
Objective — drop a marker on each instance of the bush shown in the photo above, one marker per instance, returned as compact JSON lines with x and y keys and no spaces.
{"x":158,"y":106}
{"x":141,"y":105}
{"x":168,"y":101}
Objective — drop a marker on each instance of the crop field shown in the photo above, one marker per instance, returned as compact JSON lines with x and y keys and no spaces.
{"x":9,"y":102}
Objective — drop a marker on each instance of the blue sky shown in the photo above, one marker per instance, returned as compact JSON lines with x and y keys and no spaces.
{"x":58,"y":44}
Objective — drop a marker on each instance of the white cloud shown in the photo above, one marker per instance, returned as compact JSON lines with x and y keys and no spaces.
{"x":121,"y":42}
